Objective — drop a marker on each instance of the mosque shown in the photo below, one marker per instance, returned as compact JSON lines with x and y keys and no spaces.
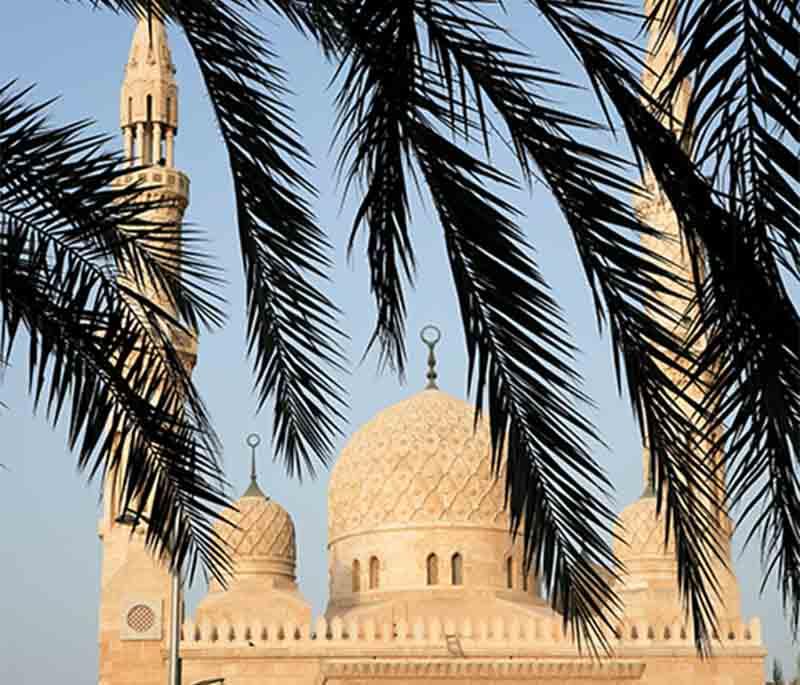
{"x":425,"y":583}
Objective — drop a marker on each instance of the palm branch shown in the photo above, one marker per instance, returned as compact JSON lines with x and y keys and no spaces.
{"x":98,"y":351}
{"x":744,"y":60}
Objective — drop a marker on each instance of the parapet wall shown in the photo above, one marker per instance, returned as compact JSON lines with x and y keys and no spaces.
{"x":534,"y":636}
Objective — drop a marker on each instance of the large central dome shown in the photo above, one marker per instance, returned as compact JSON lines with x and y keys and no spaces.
{"x":419,"y":461}
{"x":416,"y":518}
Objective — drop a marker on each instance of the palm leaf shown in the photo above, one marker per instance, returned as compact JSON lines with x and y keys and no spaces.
{"x":294,"y":338}
{"x":627,"y":279}
{"x":97,"y":348}
{"x":519,"y":354}
{"x":744,"y":113}
{"x":747,"y":321}
{"x":292,"y":326}
{"x":519,"y":359}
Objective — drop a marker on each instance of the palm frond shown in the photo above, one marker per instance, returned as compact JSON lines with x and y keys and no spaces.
{"x":519,"y":352}
{"x":379,"y":53}
{"x":737,"y":206}
{"x":744,"y":59}
{"x":519,"y":359}
{"x":292,"y":326}
{"x":632,"y":286}
{"x":294,"y":339}
{"x":732,"y":231}
{"x":97,"y":347}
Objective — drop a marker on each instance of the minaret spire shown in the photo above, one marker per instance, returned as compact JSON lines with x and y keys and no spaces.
{"x":149,"y":101}
{"x":678,"y":310}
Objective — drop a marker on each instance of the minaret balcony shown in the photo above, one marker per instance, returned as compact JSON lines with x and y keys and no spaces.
{"x":159,"y":178}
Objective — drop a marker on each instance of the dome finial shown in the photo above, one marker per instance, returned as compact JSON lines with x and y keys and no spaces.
{"x":649,"y":476}
{"x":253,"y":441}
{"x":431,"y":335}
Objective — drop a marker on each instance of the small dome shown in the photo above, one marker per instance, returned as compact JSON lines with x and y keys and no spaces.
{"x":645,"y":557}
{"x":261,"y":540}
{"x":263,"y":529}
{"x":643,"y":532}
{"x":261,"y":544}
{"x":262,"y":549}
{"x":420,"y":461}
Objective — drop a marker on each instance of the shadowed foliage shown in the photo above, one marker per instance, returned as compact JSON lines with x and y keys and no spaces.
{"x":427,"y":91}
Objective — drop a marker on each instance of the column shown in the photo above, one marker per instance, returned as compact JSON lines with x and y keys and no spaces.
{"x":170,"y":147}
{"x":155,"y":155}
{"x":140,"y":146}
{"x":128,"y":145}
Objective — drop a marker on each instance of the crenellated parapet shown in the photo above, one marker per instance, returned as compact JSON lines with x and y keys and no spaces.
{"x":442,"y":637}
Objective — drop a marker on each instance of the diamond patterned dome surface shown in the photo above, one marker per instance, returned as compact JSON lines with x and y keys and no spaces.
{"x":263,"y":529}
{"x":418,"y":461}
{"x":643,"y":531}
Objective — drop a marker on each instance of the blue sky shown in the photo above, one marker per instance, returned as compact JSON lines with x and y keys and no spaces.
{"x":50,"y":574}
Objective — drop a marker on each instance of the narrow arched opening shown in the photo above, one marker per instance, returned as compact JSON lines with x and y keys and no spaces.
{"x":457,"y":569}
{"x":147,"y":142}
{"x":510,"y":573}
{"x":374,"y":573}
{"x":432,"y":569}
{"x":356,"y":576}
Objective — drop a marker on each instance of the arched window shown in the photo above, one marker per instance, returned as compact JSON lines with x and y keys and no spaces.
{"x":149,"y":108}
{"x":356,"y":576}
{"x":510,"y":573}
{"x":374,"y":570}
{"x":457,"y":569}
{"x":524,"y":581}
{"x":432,"y":565}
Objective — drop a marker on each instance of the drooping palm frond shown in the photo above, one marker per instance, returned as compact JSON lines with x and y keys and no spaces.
{"x":294,"y":338}
{"x":462,"y":76}
{"x":376,"y":102}
{"x":292,"y":326}
{"x":743,"y":57}
{"x":396,"y":100}
{"x":626,"y":278}
{"x":519,"y":352}
{"x":740,"y":222}
{"x":518,"y":348}
{"x":98,"y":348}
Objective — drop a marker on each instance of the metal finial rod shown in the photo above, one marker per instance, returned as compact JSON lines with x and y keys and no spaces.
{"x":253,"y":441}
{"x":431,"y":335}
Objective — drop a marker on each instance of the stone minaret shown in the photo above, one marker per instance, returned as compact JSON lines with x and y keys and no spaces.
{"x":656,"y":210}
{"x":135,"y":589}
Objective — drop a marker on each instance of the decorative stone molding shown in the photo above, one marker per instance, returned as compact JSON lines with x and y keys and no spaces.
{"x":511,"y":669}
{"x":159,"y":183}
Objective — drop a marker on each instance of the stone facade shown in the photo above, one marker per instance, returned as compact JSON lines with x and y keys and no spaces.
{"x":425,"y":580}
